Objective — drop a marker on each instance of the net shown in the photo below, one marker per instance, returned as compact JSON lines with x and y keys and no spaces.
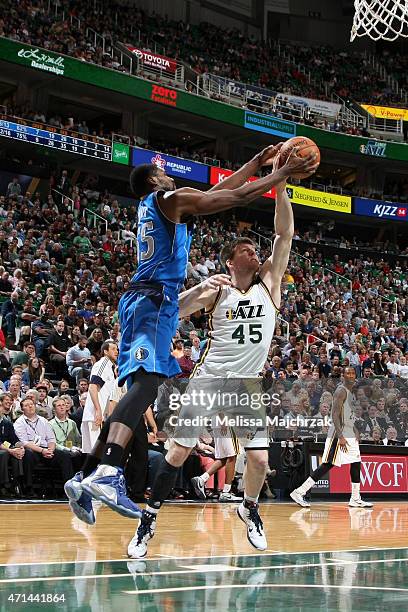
{"x":380,"y":19}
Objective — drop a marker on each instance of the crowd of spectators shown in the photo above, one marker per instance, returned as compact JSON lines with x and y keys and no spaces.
{"x":308,"y":71}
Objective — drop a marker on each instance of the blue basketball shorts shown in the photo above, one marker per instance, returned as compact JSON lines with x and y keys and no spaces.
{"x":148,"y":316}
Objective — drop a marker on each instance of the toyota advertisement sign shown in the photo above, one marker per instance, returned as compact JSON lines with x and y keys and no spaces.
{"x":153,"y":60}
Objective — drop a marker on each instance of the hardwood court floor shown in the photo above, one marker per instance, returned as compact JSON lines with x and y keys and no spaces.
{"x":329,"y":558}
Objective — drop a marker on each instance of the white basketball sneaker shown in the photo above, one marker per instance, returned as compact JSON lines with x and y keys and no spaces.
{"x":299,"y":499}
{"x":137,"y":548}
{"x":359,"y":503}
{"x":255,"y":531}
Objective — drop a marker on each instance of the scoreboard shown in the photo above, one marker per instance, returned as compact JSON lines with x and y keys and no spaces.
{"x":61,"y":140}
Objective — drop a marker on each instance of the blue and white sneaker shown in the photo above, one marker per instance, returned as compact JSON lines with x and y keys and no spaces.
{"x":73,"y":487}
{"x":107,"y":483}
{"x":79,"y":501}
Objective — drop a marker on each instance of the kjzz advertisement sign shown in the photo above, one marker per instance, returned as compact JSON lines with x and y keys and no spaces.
{"x":174,"y":166}
{"x":379,"y":474}
{"x":153,"y":60}
{"x":381,"y":209}
{"x":217,"y":175}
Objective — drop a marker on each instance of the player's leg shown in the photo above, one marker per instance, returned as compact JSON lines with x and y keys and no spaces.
{"x":107,"y":483}
{"x":163,"y":485}
{"x":355,"y":499}
{"x":298,"y":495}
{"x":226,"y":495}
{"x":199,"y":482}
{"x":248,"y":510}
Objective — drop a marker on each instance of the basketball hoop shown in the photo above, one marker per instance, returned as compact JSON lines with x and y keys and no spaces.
{"x":380,"y":19}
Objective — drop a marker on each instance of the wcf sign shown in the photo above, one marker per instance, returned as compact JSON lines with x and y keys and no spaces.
{"x":379,"y":474}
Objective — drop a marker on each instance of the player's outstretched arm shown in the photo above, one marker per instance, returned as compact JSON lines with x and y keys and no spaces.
{"x":202,"y":295}
{"x":239,"y":178}
{"x":274,"y":267}
{"x":186,"y":202}
{"x":339,"y":398}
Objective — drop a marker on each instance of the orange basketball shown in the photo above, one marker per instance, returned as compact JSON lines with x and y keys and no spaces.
{"x":306,"y":147}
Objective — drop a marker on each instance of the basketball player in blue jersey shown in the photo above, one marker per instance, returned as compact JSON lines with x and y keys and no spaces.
{"x":149,"y":311}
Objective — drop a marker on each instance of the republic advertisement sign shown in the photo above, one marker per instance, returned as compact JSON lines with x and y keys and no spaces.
{"x":381,"y":209}
{"x":174,"y":166}
{"x":153,"y":60}
{"x":217,"y":175}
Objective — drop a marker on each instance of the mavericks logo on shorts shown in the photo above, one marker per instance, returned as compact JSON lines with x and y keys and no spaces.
{"x":141,"y":354}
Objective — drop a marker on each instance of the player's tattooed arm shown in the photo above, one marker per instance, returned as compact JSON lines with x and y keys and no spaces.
{"x":338,"y":400}
{"x":202,"y":295}
{"x":239,"y":178}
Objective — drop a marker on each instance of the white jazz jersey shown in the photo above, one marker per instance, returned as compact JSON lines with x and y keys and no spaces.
{"x":241,"y":327}
{"x":332,"y":452}
{"x":347,"y":417}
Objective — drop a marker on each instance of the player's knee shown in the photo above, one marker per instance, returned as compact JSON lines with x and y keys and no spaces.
{"x":258,"y":460}
{"x":177,"y":454}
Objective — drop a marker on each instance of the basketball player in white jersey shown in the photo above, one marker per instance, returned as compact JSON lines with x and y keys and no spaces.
{"x":242,"y":317}
{"x":341,"y":445}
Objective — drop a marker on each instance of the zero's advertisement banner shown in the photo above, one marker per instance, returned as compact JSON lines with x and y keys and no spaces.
{"x":380,"y":209}
{"x":217,"y":175}
{"x":174,"y":166}
{"x":319,"y":199}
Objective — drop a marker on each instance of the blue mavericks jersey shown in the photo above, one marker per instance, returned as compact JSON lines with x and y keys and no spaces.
{"x":162,"y":246}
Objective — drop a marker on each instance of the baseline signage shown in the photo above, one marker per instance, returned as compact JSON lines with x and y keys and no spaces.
{"x":153,"y":60}
{"x":379,"y":474}
{"x":217,"y":175}
{"x":270,"y":125}
{"x":319,"y":199}
{"x":380,"y":209}
{"x":385,"y":112}
{"x":174,"y":166}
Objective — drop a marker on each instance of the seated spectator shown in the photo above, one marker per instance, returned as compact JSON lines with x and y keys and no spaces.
{"x":391,"y":437}
{"x":35,"y":372}
{"x":44,"y":402}
{"x":66,"y":433}
{"x":186,"y":363}
{"x":23,"y":357}
{"x":11,"y":455}
{"x":38,"y":440}
{"x":79,"y":360}
{"x":63,"y":387}
{"x":9,"y":312}
{"x":376,"y":436}
{"x":95,"y":342}
{"x":59,"y":343}
{"x":42,"y":330}
{"x":185,"y":327}
{"x":178,"y":351}
{"x":196,"y":349}
{"x":82,"y":387}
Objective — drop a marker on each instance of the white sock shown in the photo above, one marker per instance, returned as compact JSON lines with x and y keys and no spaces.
{"x":227,"y":488}
{"x":306,"y":486}
{"x":254,"y":500}
{"x":204,"y":477}
{"x":355,"y":490}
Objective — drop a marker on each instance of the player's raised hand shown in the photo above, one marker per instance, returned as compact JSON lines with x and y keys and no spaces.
{"x":218,"y":280}
{"x":300,"y":165}
{"x":267,"y":156}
